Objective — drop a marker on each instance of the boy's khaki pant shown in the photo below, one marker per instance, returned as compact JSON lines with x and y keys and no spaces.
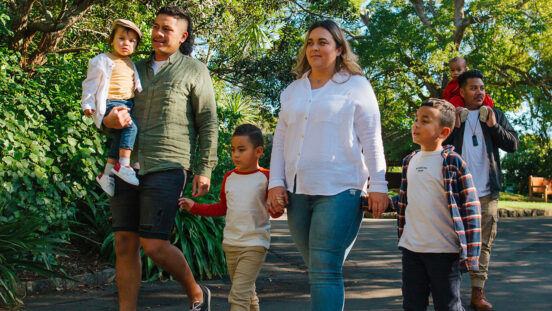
{"x":244,"y":264}
{"x":489,"y":221}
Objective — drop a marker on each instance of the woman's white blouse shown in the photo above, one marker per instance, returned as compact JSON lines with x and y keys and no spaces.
{"x":328,"y":142}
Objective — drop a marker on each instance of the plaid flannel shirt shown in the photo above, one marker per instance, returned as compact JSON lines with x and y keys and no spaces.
{"x":463,"y":204}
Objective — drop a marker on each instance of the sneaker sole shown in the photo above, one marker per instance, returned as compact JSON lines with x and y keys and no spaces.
{"x":208,"y":298}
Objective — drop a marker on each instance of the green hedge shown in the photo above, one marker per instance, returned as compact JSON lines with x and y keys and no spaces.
{"x":533,"y":157}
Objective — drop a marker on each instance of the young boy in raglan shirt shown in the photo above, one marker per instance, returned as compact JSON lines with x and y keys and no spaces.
{"x":243,"y":202}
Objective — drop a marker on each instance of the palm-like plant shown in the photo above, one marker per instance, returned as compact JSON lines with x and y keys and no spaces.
{"x":24,"y":247}
{"x":235,"y":109}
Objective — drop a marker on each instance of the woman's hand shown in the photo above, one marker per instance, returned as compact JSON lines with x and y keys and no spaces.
{"x":377,"y":203}
{"x":277,"y":200}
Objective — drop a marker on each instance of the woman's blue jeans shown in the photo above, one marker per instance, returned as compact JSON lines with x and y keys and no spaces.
{"x":324,"y":229}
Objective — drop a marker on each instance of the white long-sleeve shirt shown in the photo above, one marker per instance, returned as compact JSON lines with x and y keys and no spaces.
{"x":328,"y":142}
{"x":96,"y":85}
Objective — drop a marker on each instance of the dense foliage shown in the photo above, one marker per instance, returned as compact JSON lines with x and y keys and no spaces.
{"x":532,"y":158}
{"x":26,"y":246}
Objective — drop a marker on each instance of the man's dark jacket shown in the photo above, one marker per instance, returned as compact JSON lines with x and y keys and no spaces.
{"x":502,"y":136}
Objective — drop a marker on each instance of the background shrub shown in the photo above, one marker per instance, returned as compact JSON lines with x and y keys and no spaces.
{"x":533,"y":157}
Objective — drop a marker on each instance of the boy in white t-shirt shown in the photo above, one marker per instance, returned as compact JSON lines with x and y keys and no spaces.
{"x":438,"y":214}
{"x":247,"y":230}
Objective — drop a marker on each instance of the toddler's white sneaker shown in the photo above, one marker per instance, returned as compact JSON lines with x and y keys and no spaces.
{"x":107,"y":182}
{"x":464,"y":115}
{"x":483,"y":114}
{"x":126,"y":173}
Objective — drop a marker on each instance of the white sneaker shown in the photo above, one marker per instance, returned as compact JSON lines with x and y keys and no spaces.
{"x":126,"y":173}
{"x":464,"y":115}
{"x":107,"y":182}
{"x":483,"y":114}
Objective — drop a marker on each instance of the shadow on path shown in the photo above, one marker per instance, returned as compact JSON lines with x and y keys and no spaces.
{"x":520,"y":275}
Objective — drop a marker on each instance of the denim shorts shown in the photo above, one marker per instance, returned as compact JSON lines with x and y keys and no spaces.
{"x":151,"y":207}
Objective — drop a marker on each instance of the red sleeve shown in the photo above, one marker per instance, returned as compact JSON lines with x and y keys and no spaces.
{"x":215,"y":209}
{"x":488,"y":101}
{"x":267,"y":174}
{"x":457,"y":101}
{"x":451,"y":90}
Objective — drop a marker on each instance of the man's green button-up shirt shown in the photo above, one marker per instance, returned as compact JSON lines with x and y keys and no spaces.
{"x":175,"y":111}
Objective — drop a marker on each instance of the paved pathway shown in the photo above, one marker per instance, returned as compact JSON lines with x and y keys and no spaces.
{"x":521,"y":275}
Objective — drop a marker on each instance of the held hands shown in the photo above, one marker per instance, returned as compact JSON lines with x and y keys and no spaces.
{"x":200,"y":185}
{"x":377,"y":203}
{"x":89,"y":112}
{"x":185,"y":204}
{"x":277,"y":200}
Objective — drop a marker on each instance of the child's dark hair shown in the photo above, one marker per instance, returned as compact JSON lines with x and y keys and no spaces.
{"x":447,"y":110}
{"x":112,"y":34}
{"x":463,"y":78}
{"x":254,"y":133}
{"x":187,"y":46}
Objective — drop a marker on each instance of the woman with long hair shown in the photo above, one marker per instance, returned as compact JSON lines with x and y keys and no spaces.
{"x":326,"y":145}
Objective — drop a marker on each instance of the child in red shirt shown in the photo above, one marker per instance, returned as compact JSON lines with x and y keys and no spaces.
{"x":457,"y":66}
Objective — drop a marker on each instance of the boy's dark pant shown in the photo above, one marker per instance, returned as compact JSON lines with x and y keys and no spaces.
{"x":123,"y":138}
{"x":438,"y":273}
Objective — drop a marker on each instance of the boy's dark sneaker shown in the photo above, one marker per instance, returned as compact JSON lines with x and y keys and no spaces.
{"x":206,"y":305}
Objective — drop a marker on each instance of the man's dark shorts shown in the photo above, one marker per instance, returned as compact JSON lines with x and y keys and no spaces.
{"x":151,"y":207}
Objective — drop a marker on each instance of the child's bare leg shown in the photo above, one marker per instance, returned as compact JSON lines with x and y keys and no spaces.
{"x":109,"y":165}
{"x":124,"y":157}
{"x":124,"y":153}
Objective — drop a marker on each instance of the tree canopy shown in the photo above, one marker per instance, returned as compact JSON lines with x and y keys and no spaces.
{"x":405,"y":48}
{"x":403,"y":45}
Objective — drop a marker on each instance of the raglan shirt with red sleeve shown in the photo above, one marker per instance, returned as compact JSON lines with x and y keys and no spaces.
{"x":243,"y":201}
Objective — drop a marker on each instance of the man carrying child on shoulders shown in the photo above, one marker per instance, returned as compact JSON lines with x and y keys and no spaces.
{"x":478,"y":139}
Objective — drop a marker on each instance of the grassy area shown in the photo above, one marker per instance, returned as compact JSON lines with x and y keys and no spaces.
{"x":524,"y":205}
{"x":505,"y":196}
{"x":510,"y":200}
